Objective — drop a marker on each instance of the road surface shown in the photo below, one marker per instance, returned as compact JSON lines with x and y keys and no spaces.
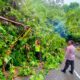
{"x":58,"y":75}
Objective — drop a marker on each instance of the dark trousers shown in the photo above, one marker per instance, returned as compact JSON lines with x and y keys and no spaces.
{"x":67,"y":64}
{"x":38,"y":55}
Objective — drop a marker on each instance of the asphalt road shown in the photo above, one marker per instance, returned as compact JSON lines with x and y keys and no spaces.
{"x":58,"y":75}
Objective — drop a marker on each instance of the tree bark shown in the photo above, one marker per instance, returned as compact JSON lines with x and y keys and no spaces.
{"x":14,"y":22}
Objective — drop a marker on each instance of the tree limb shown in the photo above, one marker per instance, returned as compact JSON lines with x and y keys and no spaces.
{"x":14,"y":22}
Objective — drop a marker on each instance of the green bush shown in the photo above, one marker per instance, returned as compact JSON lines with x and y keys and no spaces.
{"x":2,"y":77}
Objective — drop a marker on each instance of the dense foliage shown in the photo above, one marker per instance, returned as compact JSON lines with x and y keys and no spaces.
{"x":17,"y":42}
{"x":72,"y":20}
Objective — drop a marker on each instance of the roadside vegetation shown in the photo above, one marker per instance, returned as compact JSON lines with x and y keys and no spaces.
{"x":21,"y":23}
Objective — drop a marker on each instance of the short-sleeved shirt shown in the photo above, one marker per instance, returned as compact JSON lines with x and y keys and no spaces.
{"x":7,"y":58}
{"x":70,"y":52}
{"x":37,"y":48}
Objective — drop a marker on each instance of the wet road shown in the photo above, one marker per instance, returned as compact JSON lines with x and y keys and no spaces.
{"x":58,"y":75}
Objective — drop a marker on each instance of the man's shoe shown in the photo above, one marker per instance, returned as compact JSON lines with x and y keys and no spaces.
{"x":70,"y":72}
{"x":63,"y":71}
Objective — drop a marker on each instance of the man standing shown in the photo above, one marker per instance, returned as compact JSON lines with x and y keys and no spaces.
{"x":38,"y":49}
{"x":70,"y":57}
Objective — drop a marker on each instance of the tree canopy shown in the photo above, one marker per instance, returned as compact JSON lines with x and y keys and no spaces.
{"x":22,"y":22}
